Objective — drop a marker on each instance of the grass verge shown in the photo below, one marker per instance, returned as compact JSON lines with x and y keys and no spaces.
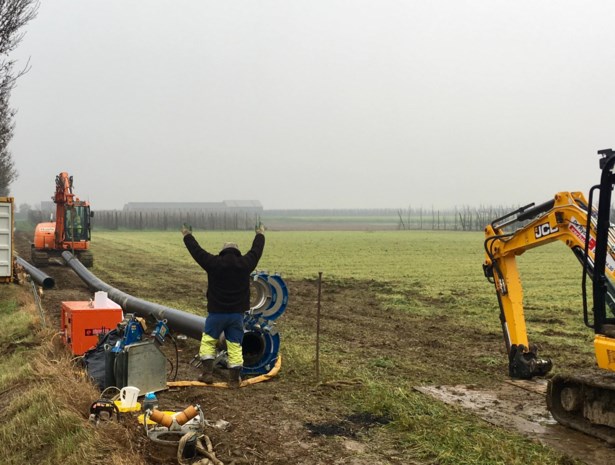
{"x":44,"y":400}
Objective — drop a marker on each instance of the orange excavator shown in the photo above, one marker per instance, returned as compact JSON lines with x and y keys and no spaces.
{"x":70,"y":231}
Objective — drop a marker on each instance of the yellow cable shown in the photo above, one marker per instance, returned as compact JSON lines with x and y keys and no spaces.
{"x":257,"y":379}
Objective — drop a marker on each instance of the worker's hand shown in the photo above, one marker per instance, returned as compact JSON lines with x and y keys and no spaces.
{"x":186,"y":229}
{"x":260,"y":228}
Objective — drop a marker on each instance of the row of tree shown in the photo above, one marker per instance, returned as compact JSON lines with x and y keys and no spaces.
{"x":464,"y":218}
{"x":456,"y":219}
{"x":225,"y":221}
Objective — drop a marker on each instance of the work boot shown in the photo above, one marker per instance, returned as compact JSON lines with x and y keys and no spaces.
{"x":207,"y":376}
{"x":234,"y":377}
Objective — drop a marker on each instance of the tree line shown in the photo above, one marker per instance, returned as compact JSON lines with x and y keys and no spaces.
{"x":165,"y":220}
{"x":14,"y":15}
{"x":464,"y":218}
{"x":456,"y":219}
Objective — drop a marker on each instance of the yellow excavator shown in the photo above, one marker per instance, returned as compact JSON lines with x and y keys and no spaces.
{"x":583,"y":401}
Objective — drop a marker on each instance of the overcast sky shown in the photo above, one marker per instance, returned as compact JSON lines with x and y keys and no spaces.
{"x":316,"y":103}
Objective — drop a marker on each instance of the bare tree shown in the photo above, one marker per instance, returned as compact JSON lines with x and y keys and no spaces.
{"x":14,"y":15}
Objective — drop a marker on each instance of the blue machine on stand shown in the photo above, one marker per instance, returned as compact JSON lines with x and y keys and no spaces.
{"x":261,"y":340}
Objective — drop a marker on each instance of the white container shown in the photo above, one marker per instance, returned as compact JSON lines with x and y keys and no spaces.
{"x":100,"y":299}
{"x":128,"y":396}
{"x":6,"y":238}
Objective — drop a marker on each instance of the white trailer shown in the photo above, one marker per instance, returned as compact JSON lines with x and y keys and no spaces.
{"x":6,"y":239}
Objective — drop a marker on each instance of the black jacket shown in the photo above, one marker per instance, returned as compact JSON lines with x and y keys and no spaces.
{"x":228,"y":274}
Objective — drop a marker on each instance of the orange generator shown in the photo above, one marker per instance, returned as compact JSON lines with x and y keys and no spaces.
{"x":82,"y":323}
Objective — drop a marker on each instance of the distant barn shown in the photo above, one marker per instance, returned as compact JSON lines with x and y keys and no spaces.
{"x":229,"y":206}
{"x":248,"y":206}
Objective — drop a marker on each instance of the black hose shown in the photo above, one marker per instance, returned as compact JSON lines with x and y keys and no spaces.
{"x":176,"y":356}
{"x":181,"y":322}
{"x":39,"y":277}
{"x":491,"y":240}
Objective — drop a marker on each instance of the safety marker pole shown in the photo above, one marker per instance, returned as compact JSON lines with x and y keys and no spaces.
{"x":318,"y":329}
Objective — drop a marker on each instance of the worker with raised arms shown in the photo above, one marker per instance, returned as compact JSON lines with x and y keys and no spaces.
{"x":228,"y":297}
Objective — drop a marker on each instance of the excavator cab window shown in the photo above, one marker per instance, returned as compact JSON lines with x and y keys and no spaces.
{"x":77,"y":224}
{"x":609,"y":296}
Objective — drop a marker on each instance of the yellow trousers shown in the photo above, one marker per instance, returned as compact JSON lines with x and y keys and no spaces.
{"x":208,"y":351}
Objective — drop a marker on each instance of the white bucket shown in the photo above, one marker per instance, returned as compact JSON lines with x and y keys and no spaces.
{"x":128,"y":396}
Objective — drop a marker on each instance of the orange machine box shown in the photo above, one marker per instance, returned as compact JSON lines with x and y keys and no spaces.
{"x":82,"y":323}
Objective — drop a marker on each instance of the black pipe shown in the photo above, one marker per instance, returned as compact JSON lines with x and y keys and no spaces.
{"x":182,"y":322}
{"x":495,"y":224}
{"x":39,"y":277}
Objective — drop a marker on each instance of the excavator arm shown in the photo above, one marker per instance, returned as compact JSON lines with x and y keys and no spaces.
{"x":64,"y":200}
{"x":564,"y":218}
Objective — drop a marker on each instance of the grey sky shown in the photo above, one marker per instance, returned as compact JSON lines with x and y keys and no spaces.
{"x":315,"y":104}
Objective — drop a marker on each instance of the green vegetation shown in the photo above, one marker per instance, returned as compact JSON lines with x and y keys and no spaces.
{"x":429,"y":276}
{"x":24,"y":224}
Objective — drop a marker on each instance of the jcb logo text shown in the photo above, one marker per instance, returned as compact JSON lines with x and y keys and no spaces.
{"x":543,"y":230}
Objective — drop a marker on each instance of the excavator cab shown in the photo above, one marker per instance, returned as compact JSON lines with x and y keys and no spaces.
{"x":603,"y":269}
{"x":586,"y":401}
{"x":77,"y":224}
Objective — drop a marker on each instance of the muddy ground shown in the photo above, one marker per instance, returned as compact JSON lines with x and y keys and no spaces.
{"x":275,"y":422}
{"x":284,"y":422}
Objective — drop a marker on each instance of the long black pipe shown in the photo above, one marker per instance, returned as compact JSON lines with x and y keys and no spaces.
{"x":182,"y":322}
{"x":39,"y":277}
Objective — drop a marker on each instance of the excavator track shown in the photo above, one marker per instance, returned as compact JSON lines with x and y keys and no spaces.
{"x":39,"y":259}
{"x":585,"y":402}
{"x":86,"y":258}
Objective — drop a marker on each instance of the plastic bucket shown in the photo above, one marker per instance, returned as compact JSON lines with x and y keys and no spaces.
{"x":129,"y":396}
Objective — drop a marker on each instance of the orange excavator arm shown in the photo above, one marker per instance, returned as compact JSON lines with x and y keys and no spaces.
{"x":64,"y":199}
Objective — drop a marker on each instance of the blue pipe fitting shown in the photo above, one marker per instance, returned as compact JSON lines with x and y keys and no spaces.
{"x":261,"y":340}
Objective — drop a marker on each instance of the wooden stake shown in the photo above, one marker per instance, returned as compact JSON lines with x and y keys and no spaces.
{"x":318,"y":329}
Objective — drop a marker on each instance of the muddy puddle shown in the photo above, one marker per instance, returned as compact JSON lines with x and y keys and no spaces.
{"x":521,"y":406}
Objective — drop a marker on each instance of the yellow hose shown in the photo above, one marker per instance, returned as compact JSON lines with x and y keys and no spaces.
{"x":257,"y":379}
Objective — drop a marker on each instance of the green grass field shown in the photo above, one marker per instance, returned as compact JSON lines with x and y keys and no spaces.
{"x":445,"y":266}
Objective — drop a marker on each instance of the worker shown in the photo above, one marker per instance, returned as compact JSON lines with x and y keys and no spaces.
{"x":228,"y":297}
{"x":78,"y":227}
{"x":74,"y":228}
